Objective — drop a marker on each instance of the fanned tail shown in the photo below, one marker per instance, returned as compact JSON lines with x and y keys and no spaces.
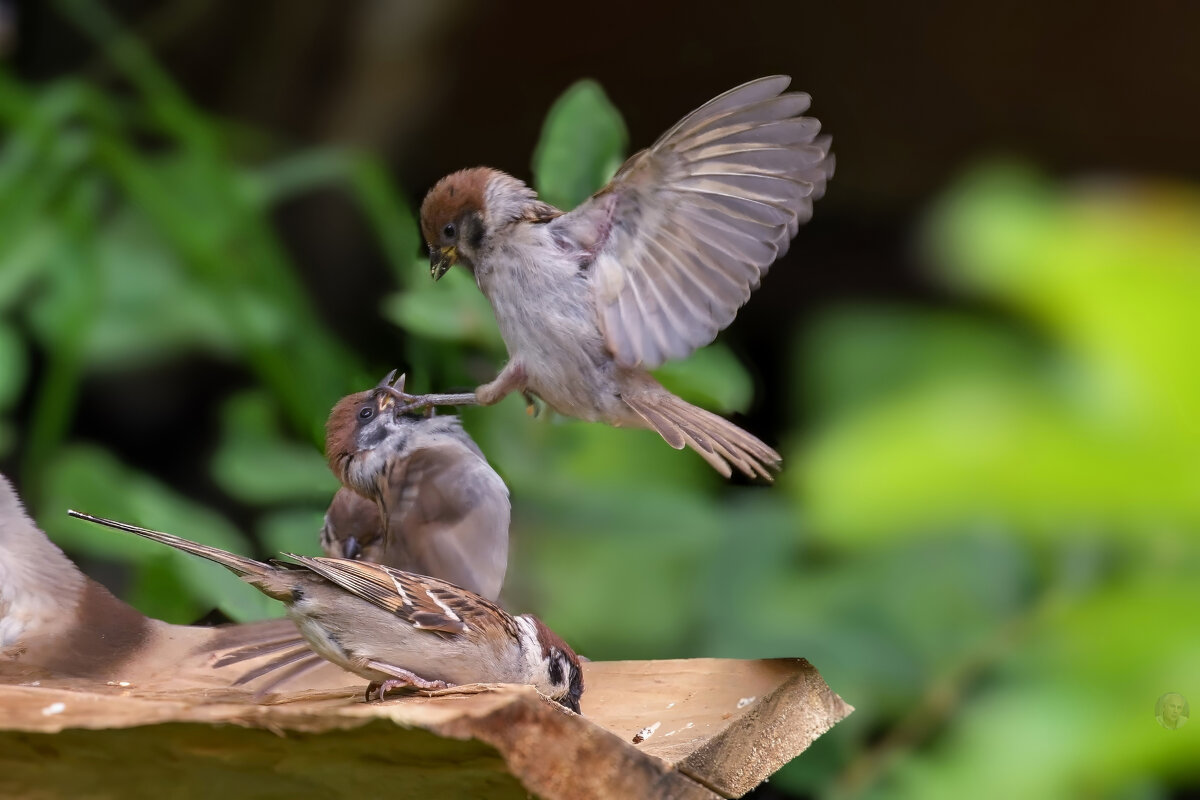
{"x":278,"y":638}
{"x":716,"y":439}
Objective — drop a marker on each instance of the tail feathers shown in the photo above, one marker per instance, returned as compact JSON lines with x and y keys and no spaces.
{"x":717,"y":440}
{"x":262,"y":576}
{"x":297,"y":660}
{"x":282,"y":676}
{"x":291,"y":654}
{"x":252,"y":651}
{"x":298,"y":652}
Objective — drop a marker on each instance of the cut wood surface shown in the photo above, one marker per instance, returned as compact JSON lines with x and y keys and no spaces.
{"x":696,"y":728}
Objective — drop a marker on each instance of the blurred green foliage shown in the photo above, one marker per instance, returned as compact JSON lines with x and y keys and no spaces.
{"x":987,"y":541}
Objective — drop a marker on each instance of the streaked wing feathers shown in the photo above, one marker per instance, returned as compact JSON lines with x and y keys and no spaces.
{"x":690,"y":225}
{"x":423,"y":602}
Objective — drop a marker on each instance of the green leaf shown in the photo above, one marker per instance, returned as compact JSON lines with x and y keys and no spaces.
{"x":91,"y":480}
{"x":582,"y":144}
{"x":855,"y":354}
{"x":293,"y":530}
{"x":256,"y":464}
{"x":1108,"y":272}
{"x":451,"y":310}
{"x":552,"y":456}
{"x":711,"y":377}
{"x":15,"y":369}
{"x":1085,"y":677}
{"x":147,"y":308}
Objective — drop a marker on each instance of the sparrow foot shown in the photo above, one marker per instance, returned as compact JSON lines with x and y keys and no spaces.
{"x":407,"y":403}
{"x":401,"y":679}
{"x":531,"y":407}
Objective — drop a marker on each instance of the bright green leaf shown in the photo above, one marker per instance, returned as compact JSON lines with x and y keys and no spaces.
{"x":256,"y":464}
{"x":583,"y":142}
{"x":711,"y":377}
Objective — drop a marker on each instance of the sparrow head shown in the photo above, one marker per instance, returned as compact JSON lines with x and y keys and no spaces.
{"x":364,"y":433}
{"x":559,"y":665}
{"x":452,"y":219}
{"x":353,"y":528}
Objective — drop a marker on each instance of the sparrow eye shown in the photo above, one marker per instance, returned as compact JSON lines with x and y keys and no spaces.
{"x":449,"y":230}
{"x":366,"y":412}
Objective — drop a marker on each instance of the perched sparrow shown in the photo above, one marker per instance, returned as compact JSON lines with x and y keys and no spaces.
{"x":419,"y":494}
{"x":436,"y":508}
{"x":648,"y":269}
{"x":399,"y":629}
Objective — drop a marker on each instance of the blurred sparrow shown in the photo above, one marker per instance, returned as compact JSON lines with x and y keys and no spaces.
{"x":419,"y":494}
{"x":56,"y":621}
{"x":648,"y":269}
{"x":52,"y":615}
{"x":398,"y":629}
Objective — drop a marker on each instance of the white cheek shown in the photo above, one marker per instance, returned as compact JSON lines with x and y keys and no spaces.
{"x":365,"y":469}
{"x":536,"y":670}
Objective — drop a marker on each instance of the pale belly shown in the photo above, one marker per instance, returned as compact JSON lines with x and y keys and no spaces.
{"x":558,"y":344}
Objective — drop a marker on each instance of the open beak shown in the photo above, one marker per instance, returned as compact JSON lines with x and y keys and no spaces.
{"x":390,"y":390}
{"x":441,"y":259}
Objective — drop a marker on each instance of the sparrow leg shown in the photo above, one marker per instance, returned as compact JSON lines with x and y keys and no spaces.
{"x":401,"y":678}
{"x":406,"y":403}
{"x":416,"y":402}
{"x":510,"y":379}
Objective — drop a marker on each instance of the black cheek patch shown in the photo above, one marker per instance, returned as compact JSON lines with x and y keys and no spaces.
{"x":371,"y":436}
{"x":472,"y":231}
{"x":556,"y":668}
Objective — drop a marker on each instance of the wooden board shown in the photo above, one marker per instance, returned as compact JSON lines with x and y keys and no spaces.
{"x":705,"y":728}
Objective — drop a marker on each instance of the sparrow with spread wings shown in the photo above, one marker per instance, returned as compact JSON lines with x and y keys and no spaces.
{"x":648,"y":269}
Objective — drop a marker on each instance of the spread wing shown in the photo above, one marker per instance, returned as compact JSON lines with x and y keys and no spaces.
{"x":421,"y":601}
{"x":687,"y":228}
{"x":452,"y":519}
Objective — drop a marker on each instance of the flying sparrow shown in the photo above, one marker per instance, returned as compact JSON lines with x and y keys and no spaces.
{"x":418,"y":494}
{"x":648,"y":269}
{"x":398,"y":629}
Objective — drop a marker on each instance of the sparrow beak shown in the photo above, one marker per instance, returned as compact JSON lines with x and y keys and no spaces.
{"x":391,"y":390}
{"x":442,"y":259}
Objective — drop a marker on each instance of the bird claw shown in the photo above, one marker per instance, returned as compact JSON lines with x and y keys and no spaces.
{"x":377,"y":689}
{"x":405,"y":403}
